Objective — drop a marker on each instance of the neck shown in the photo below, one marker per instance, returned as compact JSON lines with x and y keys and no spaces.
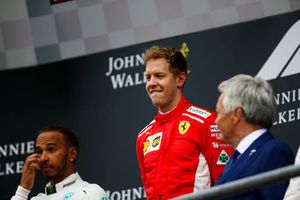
{"x":56,"y":180}
{"x":172,"y":105}
{"x":244,"y":131}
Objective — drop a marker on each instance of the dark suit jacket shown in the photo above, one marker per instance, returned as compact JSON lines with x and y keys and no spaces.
{"x":264,"y":154}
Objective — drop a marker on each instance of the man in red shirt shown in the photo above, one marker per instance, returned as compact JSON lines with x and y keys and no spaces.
{"x":179,"y":151}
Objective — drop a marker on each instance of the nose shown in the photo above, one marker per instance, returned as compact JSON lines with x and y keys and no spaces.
{"x":44,"y":156}
{"x":151,"y":81}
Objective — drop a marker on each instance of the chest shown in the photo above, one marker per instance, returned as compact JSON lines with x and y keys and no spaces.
{"x":180,"y":137}
{"x":69,"y":193}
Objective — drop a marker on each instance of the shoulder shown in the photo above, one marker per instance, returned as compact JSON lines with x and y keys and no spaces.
{"x":92,"y":188}
{"x":276,"y":152}
{"x":146,"y":128}
{"x":277,"y":146}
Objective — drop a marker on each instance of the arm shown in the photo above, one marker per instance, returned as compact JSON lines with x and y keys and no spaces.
{"x":293,"y":191}
{"x":28,"y":176}
{"x":139,"y":153}
{"x":94,"y":192}
{"x":21,"y":194}
{"x":216,"y":152}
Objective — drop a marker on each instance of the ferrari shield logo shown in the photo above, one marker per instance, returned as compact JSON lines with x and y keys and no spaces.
{"x":183,"y":127}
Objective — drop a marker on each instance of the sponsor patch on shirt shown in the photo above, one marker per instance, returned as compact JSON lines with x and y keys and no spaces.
{"x":219,"y":145}
{"x":152,"y":143}
{"x":215,"y":144}
{"x":214,"y":128}
{"x":223,"y":158}
{"x":216,"y":135}
{"x":68,"y":196}
{"x":67,"y":184}
{"x":183,"y":127}
{"x":199,"y":111}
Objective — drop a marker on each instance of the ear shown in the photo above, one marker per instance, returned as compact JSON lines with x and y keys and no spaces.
{"x":237,"y":115}
{"x":73,"y":152}
{"x":180,"y":79}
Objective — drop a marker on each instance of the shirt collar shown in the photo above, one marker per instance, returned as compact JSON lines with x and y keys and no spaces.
{"x":172,"y":113}
{"x":70,"y":180}
{"x":249,"y":139}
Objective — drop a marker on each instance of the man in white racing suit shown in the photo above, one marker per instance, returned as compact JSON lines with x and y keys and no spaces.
{"x":56,"y":151}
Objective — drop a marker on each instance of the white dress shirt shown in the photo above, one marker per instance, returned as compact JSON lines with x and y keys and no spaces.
{"x":249,"y":139}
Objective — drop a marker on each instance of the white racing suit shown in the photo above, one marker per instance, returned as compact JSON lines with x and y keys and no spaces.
{"x":72,"y":187}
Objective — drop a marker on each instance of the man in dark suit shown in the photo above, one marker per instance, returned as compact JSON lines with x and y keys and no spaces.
{"x":246,"y":109}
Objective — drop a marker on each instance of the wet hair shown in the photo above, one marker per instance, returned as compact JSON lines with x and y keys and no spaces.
{"x":254,"y":95}
{"x":69,"y":136}
{"x":174,"y":57}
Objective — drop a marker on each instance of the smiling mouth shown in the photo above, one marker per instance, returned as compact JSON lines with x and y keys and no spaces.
{"x":153,"y":92}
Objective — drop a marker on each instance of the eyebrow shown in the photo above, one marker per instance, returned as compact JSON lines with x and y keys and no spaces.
{"x":48,"y":144}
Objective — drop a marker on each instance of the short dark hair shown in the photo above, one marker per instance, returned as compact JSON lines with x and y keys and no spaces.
{"x":69,"y":136}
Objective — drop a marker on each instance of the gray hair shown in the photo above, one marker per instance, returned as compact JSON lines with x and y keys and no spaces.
{"x":254,"y":95}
